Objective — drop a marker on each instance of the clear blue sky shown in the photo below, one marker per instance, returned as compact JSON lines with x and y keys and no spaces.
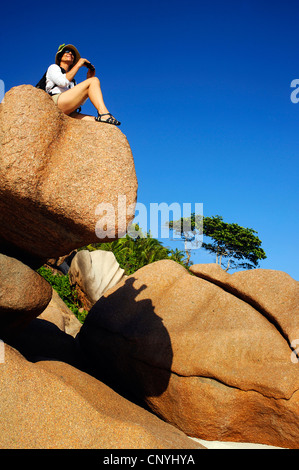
{"x":203,"y":92}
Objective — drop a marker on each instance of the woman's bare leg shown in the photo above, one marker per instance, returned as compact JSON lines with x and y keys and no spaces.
{"x":82,"y":117}
{"x":90,"y":88}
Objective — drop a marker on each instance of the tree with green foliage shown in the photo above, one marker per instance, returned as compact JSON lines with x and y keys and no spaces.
{"x":239,"y":246}
{"x":190,"y":230}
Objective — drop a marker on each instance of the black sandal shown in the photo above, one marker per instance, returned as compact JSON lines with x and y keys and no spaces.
{"x":110,"y":120}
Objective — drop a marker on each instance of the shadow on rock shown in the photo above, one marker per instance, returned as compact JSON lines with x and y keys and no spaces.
{"x":126,"y":344}
{"x":42,"y":340}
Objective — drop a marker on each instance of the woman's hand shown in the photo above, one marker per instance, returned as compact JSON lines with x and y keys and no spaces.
{"x":90,"y":73}
{"x":82,"y":62}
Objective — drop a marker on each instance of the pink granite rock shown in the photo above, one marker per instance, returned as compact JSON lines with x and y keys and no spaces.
{"x":52,"y":405}
{"x":24,"y":295}
{"x":55,"y":172}
{"x":274,"y":293}
{"x":201,"y":357}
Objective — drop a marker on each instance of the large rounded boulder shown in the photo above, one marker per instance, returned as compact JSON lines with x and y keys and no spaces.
{"x":199,"y":354}
{"x":64,"y":182}
{"x":24,"y":295}
{"x":52,"y":405}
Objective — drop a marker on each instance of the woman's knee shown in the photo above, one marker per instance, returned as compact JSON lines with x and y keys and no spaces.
{"x":93,"y":80}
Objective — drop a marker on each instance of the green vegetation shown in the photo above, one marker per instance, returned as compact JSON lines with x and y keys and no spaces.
{"x":239,"y":246}
{"x":68,"y":294}
{"x":133,"y":254}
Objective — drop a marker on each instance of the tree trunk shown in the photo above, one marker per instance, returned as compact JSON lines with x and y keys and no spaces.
{"x":188,"y":253}
{"x":227,"y":267}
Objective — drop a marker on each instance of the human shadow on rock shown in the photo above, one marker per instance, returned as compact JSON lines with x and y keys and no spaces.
{"x":126,"y":345}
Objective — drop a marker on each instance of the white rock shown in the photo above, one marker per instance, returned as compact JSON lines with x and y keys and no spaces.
{"x":95,"y":272}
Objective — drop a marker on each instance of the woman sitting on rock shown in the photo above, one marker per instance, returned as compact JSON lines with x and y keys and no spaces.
{"x":67,"y":94}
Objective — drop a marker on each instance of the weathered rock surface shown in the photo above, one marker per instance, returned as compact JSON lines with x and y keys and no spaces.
{"x":55,"y":171}
{"x":52,"y":405}
{"x":58,"y":313}
{"x":24,"y":295}
{"x":274,"y":293}
{"x":58,"y":177}
{"x":93,"y":273}
{"x":199,"y":356}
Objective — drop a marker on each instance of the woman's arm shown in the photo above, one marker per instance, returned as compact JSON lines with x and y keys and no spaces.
{"x":71,"y":73}
{"x":57,"y":77}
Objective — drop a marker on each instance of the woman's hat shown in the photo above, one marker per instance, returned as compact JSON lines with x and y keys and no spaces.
{"x":61,"y":48}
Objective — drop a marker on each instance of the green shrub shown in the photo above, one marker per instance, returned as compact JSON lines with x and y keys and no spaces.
{"x":67,"y":293}
{"x":133,"y":254}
